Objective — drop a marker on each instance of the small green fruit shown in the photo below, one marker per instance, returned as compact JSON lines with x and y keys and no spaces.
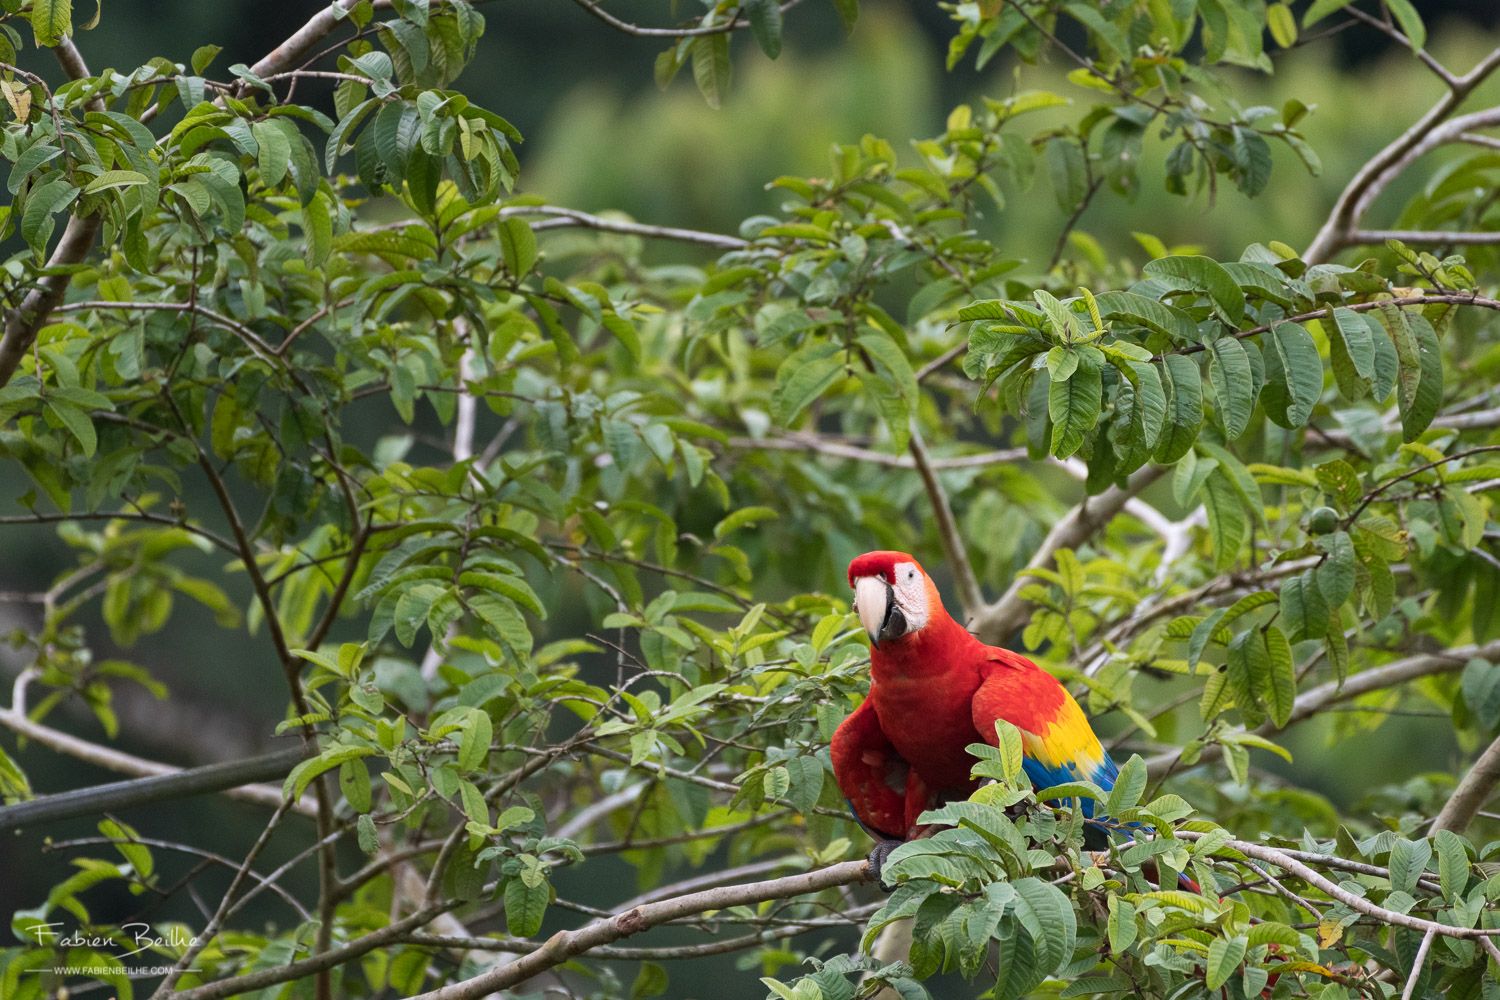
{"x":1322,"y":521}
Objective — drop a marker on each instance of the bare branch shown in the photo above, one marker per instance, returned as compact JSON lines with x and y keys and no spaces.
{"x":638,"y":31}
{"x":1417,"y":964}
{"x":320,"y":962}
{"x":301,"y":41}
{"x":23,"y":322}
{"x":559,"y":218}
{"x":996,"y":622}
{"x":1314,"y":700}
{"x":802,"y":441}
{"x":1422,"y":237}
{"x":155,"y":782}
{"x":565,"y":945}
{"x":1471,"y":792}
{"x":1426,"y":133}
{"x":970,"y":597}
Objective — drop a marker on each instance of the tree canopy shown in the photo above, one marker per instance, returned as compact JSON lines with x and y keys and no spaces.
{"x":538,"y":517}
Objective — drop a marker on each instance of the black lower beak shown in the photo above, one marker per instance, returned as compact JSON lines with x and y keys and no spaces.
{"x":893,"y":625}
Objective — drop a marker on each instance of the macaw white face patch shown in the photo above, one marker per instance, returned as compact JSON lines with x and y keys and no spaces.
{"x":911,"y":595}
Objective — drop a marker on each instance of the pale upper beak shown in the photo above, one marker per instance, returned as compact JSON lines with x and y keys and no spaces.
{"x":875,"y":602}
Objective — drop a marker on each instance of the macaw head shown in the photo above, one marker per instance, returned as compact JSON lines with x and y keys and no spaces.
{"x":893,"y":596}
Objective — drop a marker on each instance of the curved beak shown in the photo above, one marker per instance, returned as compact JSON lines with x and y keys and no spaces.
{"x":875,"y":602}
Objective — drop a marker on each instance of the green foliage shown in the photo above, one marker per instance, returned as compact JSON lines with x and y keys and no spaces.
{"x":545,"y":538}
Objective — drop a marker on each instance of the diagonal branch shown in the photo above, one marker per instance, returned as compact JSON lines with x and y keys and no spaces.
{"x":996,"y":622}
{"x":1314,"y":700}
{"x":154,"y":781}
{"x":970,"y":597}
{"x":1471,"y":792}
{"x":1428,"y":132}
{"x":723,"y":27}
{"x":564,"y":945}
{"x":557,"y":217}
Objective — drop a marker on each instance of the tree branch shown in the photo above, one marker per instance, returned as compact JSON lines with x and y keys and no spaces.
{"x":565,"y":945}
{"x":1422,"y":237}
{"x":801,"y":441}
{"x":1314,"y":700}
{"x":317,"y":963}
{"x":970,"y":597}
{"x":733,"y":24}
{"x":1471,"y":792}
{"x":156,"y":782}
{"x":23,"y":322}
{"x":1377,"y":173}
{"x":559,"y":218}
{"x":996,"y":622}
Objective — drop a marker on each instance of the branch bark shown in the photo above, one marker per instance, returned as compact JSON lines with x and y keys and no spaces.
{"x":1459,"y":811}
{"x":1314,"y":700}
{"x":995,"y":623}
{"x":155,"y":781}
{"x":565,"y":945}
{"x":1373,"y":178}
{"x":970,"y":597}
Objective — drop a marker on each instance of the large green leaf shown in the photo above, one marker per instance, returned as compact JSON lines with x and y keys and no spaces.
{"x":1184,"y":388}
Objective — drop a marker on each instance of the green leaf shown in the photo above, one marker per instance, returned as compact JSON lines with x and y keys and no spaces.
{"x":1279,"y":694}
{"x":1480,"y":685}
{"x":1282,"y":24}
{"x":1294,"y":375}
{"x":803,"y":377}
{"x":743,"y":518}
{"x":1234,"y":385}
{"x":1145,"y":311}
{"x":1122,"y":925}
{"x":303,"y":774}
{"x":1074,"y":408}
{"x":1069,"y":173}
{"x":1008,"y":742}
{"x":518,"y":244}
{"x":1352,"y":353}
{"x":354,"y":783}
{"x":1410,"y":21}
{"x":1321,"y":9}
{"x":1335,"y":575}
{"x":275,"y":152}
{"x":1227,"y":519}
{"x":1128,"y":786}
{"x":41,"y":205}
{"x":711,"y":67}
{"x":765,"y":25}
{"x":474,"y":741}
{"x":116,"y":179}
{"x":203,"y":55}
{"x":525,"y":906}
{"x":51,"y":21}
{"x":1453,"y":864}
{"x":1408,"y":860}
{"x":1428,"y":397}
{"x":1208,"y":276}
{"x":1184,"y":387}
{"x":127,"y":842}
{"x":1224,"y":958}
{"x":1048,"y":917}
{"x":78,"y":423}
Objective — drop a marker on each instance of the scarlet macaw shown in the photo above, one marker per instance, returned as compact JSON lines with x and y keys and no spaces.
{"x":934,"y":690}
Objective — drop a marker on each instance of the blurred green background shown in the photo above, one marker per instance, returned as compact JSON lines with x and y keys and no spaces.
{"x":600,"y":135}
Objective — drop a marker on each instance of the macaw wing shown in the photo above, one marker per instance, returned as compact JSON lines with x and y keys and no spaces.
{"x":871,"y":774}
{"x":1057,"y":742}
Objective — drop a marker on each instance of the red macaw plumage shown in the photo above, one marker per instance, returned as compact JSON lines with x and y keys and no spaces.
{"x":934,"y":690}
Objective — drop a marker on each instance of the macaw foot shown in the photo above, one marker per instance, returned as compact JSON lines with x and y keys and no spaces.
{"x":878,"y":854}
